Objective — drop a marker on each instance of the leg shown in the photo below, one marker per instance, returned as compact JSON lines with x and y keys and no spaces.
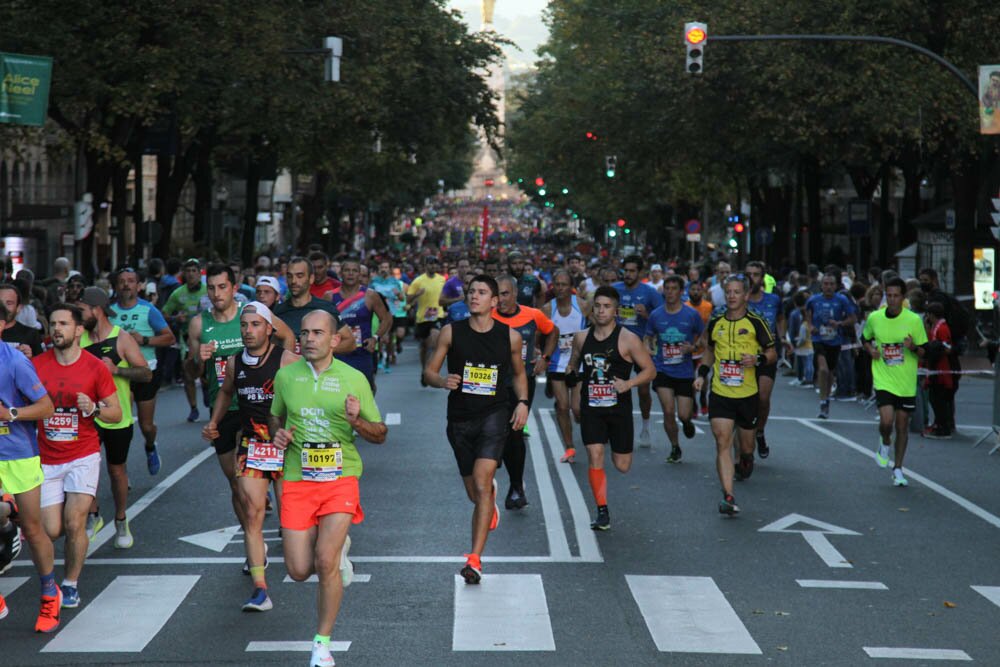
{"x":252,"y":493}
{"x":885,"y":422}
{"x":722,"y":429}
{"x":298,"y":547}
{"x":765,"y":386}
{"x":666,"y":396}
{"x":119,"y":489}
{"x":685,"y":409}
{"x":746,"y":441}
{"x":32,"y":527}
{"x":479,"y":487}
{"x":75,"y":519}
{"x":52,"y":520}
{"x":622,"y":462}
{"x":902,"y":419}
{"x":227,"y":461}
{"x":645,"y":401}
{"x":561,"y":394}
{"x":515,"y":454}
{"x":146,"y":411}
{"x":823,"y":378}
{"x":329,"y":544}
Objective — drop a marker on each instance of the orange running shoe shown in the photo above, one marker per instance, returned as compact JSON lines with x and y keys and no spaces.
{"x":473,"y":570}
{"x":495,"y":520}
{"x":48,"y":617}
{"x":568,"y":456}
{"x":3,"y":608}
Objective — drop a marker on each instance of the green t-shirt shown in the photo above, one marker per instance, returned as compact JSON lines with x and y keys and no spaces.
{"x":183,"y":299}
{"x":228,"y":341}
{"x":895,"y":371}
{"x":314,"y":405}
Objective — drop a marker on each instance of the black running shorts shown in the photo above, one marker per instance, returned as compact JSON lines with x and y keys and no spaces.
{"x":743,"y":411}
{"x":614,"y":428}
{"x":829,"y":352}
{"x":424,"y":329}
{"x":230,"y":432}
{"x":680,"y":386}
{"x":146,"y":391}
{"x":904,"y":403}
{"x":481,"y":438}
{"x":768,"y":371}
{"x":116,"y":442}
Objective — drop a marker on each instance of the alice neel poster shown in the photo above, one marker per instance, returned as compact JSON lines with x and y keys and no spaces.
{"x":24,"y":88}
{"x":989,"y":99}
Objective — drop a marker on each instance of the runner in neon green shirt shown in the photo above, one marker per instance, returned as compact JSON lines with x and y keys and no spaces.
{"x":895,"y":339}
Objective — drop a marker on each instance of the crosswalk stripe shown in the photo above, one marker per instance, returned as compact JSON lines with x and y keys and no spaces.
{"x":833,"y":583}
{"x":10,"y":584}
{"x":689,"y":615}
{"x":991,"y":593}
{"x":135,"y":607}
{"x":393,"y":419}
{"x":505,"y":612}
{"x":554,"y":529}
{"x":916,"y":653}
{"x":314,"y":579}
{"x":290,"y":647}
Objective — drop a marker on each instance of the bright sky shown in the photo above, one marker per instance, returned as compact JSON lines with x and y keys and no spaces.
{"x":518,"y":20}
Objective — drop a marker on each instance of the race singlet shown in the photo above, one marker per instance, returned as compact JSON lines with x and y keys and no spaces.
{"x":566,"y":344}
{"x":264,"y":456}
{"x":730,"y":373}
{"x":63,"y":426}
{"x":601,"y":395}
{"x":479,"y":380}
{"x":322,"y":461}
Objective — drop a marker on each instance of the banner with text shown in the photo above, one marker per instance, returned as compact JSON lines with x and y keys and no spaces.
{"x":24,"y":88}
{"x":989,"y":99}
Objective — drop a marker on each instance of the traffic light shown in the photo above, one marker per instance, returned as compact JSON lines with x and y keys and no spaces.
{"x":541,"y":191}
{"x":539,"y":181}
{"x":621,"y":222}
{"x":612,"y":233}
{"x":565,"y":191}
{"x":610,"y":165}
{"x":591,"y":136}
{"x":628,"y":231}
{"x":695,"y":36}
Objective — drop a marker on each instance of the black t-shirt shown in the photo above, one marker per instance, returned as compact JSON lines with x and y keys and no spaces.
{"x":20,"y":333}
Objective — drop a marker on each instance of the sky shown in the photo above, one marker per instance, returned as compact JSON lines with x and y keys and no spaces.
{"x":518,"y":20}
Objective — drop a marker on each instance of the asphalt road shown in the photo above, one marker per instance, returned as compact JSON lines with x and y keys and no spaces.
{"x":828,"y":564}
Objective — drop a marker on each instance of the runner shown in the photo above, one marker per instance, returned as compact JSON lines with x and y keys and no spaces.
{"x":638,"y":300}
{"x":530,"y":290}
{"x":455,"y":286}
{"x":608,"y":352}
{"x":23,"y":401}
{"x":319,"y":402}
{"x":459,"y":310}
{"x":826,"y":313}
{"x":322,"y":283}
{"x":147,"y":326}
{"x":82,"y":389}
{"x":394,"y":292}
{"x":673,"y":330}
{"x":268,"y":291}
{"x":768,"y":306}
{"x":895,"y":338}
{"x":300,"y":302}
{"x":27,"y":339}
{"x":249,"y":376}
{"x":570,"y":316}
{"x":738,"y":342}
{"x":425,"y":292}
{"x":121,"y":355}
{"x":356,"y":305}
{"x":528,"y":322}
{"x":484,"y":357}
{"x":704,"y":307}
{"x":182,"y":305}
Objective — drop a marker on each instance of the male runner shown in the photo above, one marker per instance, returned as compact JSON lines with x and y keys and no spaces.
{"x":425,"y":292}
{"x":738,"y":342}
{"x":300,"y":302}
{"x":250,"y":377}
{"x":182,"y":305}
{"x":530,"y":290}
{"x":394,"y":292}
{"x":484,"y":358}
{"x":322,"y":283}
{"x":768,"y":306}
{"x":638,"y":300}
{"x":528,"y":322}
{"x":319,"y":403}
{"x":121,"y":355}
{"x":672,"y":330}
{"x":454,"y":288}
{"x":147,"y":326}
{"x":82,"y":389}
{"x":268,"y":291}
{"x":23,"y":401}
{"x":895,"y":338}
{"x":608,"y":352}
{"x":26,"y":339}
{"x":570,"y":316}
{"x":356,"y":304}
{"x":704,"y":307}
{"x":826,"y":313}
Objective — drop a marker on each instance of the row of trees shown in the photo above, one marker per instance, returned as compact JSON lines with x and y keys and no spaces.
{"x":211,"y":84}
{"x":774,"y":122}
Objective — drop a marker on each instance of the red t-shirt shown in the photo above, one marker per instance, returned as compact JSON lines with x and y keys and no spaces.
{"x":327,"y":285}
{"x":68,"y":435}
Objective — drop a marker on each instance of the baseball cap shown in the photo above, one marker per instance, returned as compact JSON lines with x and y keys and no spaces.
{"x":191,"y":261}
{"x":656,"y":267}
{"x":256,"y":307}
{"x":269,"y":281}
{"x":94,"y":297}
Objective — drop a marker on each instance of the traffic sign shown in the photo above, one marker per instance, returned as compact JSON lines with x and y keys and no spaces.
{"x":692,"y":226}
{"x":694,"y":238}
{"x":765,"y":236}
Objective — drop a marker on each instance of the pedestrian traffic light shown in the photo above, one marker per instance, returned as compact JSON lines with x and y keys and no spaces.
{"x":628,"y":231}
{"x":610,"y":165}
{"x":738,"y":228}
{"x":541,"y":191}
{"x":539,"y":181}
{"x":695,"y":36}
{"x":612,"y":233}
{"x":592,"y":136}
{"x":621,"y":222}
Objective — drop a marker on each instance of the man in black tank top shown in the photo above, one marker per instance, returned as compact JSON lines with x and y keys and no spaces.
{"x":484,"y":357}
{"x":607,"y":352}
{"x":250,"y":376}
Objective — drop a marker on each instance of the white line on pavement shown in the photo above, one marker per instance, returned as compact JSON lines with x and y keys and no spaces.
{"x":832,"y":583}
{"x":697,"y":429}
{"x":991,"y":593}
{"x":916,"y":653}
{"x":10,"y":584}
{"x":390,"y":560}
{"x":393,"y":419}
{"x":824,"y":549}
{"x":863,"y":422}
{"x":505,"y":612}
{"x":964,"y":503}
{"x":294,"y":647}
{"x":314,"y":579}
{"x":554,"y":529}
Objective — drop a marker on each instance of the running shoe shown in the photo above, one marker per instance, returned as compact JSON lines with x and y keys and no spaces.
{"x":704,"y":412}
{"x":473,"y":570}
{"x":794,"y":383}
{"x":688,"y":429}
{"x":3,"y":608}
{"x":675,"y":455}
{"x":388,"y":371}
{"x":321,"y":656}
{"x":9,"y":499}
{"x":495,"y":520}
{"x":882,"y":455}
{"x":70,"y":597}
{"x":762,"y":447}
{"x":259,"y":601}
{"x":123,"y":536}
{"x":824,"y":410}
{"x":48,"y":616}
{"x":644,"y":440}
{"x":569,"y":456}
{"x":153,"y":460}
{"x":525,"y":432}
{"x":193,"y":415}
{"x":94,"y":524}
{"x":746,"y":466}
{"x":10,"y":545}
{"x":603,"y":520}
{"x":937,"y":433}
{"x":246,"y":563}
{"x":346,"y":566}
{"x":898,"y":479}
{"x":728,"y":505}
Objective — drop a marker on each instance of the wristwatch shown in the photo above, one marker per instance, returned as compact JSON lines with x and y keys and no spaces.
{"x":145,"y":340}
{"x":13,"y":414}
{"x":524,"y":401}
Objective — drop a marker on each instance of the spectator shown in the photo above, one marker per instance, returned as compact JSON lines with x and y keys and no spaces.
{"x":942,"y":384}
{"x":957,"y":316}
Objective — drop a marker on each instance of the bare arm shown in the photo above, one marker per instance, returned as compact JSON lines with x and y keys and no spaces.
{"x":432,"y":372}
{"x":377,"y":305}
{"x":163,"y":338}
{"x":138,"y":370}
{"x":194,"y":346}
{"x":284,"y":334}
{"x":636,"y":350}
{"x":373,"y":432}
{"x":520,"y":416}
{"x":222,"y":402}
{"x":40,"y":409}
{"x":347,"y":343}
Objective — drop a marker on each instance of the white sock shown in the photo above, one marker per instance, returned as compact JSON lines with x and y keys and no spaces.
{"x":898,"y":472}
{"x":645,"y":425}
{"x":67,"y":582}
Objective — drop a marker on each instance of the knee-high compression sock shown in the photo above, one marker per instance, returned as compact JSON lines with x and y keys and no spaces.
{"x":514,"y":455}
{"x":599,"y":485}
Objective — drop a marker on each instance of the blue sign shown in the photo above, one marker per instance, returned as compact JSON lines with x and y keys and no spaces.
{"x":692,"y":226}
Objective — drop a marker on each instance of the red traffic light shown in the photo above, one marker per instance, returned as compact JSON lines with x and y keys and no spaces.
{"x":592,"y":136}
{"x":539,"y":181}
{"x":489,"y":182}
{"x":738,"y":228}
{"x":621,"y":222}
{"x":695,"y":35}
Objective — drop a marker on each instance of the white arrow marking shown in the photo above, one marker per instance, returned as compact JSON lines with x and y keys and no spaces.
{"x":816,"y":539}
{"x":996,"y":218}
{"x":214,"y":540}
{"x":996,"y":203}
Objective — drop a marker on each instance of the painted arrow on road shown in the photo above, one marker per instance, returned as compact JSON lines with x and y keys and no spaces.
{"x":217,"y":540}
{"x":815,"y":536}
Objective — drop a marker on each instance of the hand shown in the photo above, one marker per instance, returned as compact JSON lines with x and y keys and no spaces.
{"x":84,"y":403}
{"x":25,"y":349}
{"x":206,"y":351}
{"x":874,"y":352}
{"x":621,"y":386}
{"x":210,"y":432}
{"x":686,"y":348}
{"x":453,"y":381}
{"x":109,"y":365}
{"x":908,"y":342}
{"x":748,"y":360}
{"x":136,"y":336}
{"x":520,"y":417}
{"x":540,"y":365}
{"x":283,"y":437}
{"x":698,"y":383}
{"x":369,"y":344}
{"x":352,"y":408}
{"x":181,"y":317}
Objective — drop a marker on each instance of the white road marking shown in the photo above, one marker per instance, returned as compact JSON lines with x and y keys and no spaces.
{"x":554,"y":529}
{"x":916,"y":653}
{"x":314,"y":579}
{"x":135,"y":608}
{"x":136,"y":508}
{"x":505,"y":612}
{"x":585,"y":539}
{"x":393,"y":419}
{"x":964,"y":503}
{"x":991,"y":593}
{"x":831,"y":583}
{"x":294,"y":647}
{"x":825,"y":550}
{"x":10,"y":584}
{"x":213,"y":540}
{"x":690,"y":615}
{"x":865,"y":422}
{"x":814,"y":538}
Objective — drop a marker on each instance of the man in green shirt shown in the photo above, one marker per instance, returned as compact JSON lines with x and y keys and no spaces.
{"x":319,"y":403}
{"x":895,"y":339}
{"x":181,"y":307}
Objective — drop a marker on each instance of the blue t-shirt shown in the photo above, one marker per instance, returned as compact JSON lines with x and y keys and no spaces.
{"x":19,"y":386}
{"x":670,"y":330}
{"x":458,"y":311}
{"x":824,"y":311}
{"x":143,"y":318}
{"x":643,"y":294}
{"x":769,"y":307}
{"x":452,"y":288}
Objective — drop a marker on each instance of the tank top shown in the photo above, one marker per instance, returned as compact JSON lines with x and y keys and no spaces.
{"x":228,"y":341}
{"x":602,"y":362}
{"x":483,"y":362}
{"x":255,"y":390}
{"x":568,"y":326}
{"x":109,"y":348}
{"x":355,"y":314}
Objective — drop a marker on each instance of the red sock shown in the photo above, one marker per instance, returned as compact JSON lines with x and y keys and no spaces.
{"x":599,"y":485}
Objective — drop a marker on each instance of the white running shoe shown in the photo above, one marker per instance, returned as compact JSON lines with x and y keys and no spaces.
{"x":346,"y":566}
{"x":321,"y":656}
{"x":898,"y":479}
{"x":644,"y":440}
{"x":123,"y":536}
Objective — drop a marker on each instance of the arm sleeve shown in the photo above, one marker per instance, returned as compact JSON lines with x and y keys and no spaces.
{"x":867,"y":333}
{"x":697,"y":325}
{"x":918,"y":332}
{"x":26,"y":379}
{"x":655,"y":298}
{"x":369,"y":409}
{"x":156,"y":321}
{"x":414,"y":286}
{"x":171,"y":305}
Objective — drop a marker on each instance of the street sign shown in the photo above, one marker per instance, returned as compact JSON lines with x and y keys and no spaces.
{"x":692,"y":226}
{"x":694,"y":238}
{"x":949,"y":219}
{"x":765,"y":236}
{"x":815,"y":536}
{"x":859,"y":217}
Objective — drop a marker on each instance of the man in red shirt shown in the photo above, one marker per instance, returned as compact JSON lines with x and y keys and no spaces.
{"x":81,"y":388}
{"x":322,"y":283}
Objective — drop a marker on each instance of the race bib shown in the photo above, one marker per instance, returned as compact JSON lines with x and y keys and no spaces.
{"x":827,"y":332}
{"x":63,"y":426}
{"x":322,"y":461}
{"x":602,"y":395}
{"x":430,"y":314}
{"x":565,"y":344}
{"x":524,"y":350}
{"x":671,"y":353}
{"x":892,"y":354}
{"x":4,"y":428}
{"x":298,"y":347}
{"x":357,"y":335}
{"x":627,"y":315}
{"x":730,"y":373}
{"x":220,"y":369}
{"x":479,"y":380}
{"x":263,"y":455}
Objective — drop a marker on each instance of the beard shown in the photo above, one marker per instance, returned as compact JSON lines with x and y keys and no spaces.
{"x":62,"y":343}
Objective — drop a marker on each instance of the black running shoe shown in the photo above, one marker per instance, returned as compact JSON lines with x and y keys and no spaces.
{"x":746,"y":466}
{"x":675,"y":455}
{"x":515,"y":499}
{"x":762,"y":447}
{"x":10,"y":545}
{"x":728,"y":505}
{"x":688,"y":429}
{"x":603,"y":520}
